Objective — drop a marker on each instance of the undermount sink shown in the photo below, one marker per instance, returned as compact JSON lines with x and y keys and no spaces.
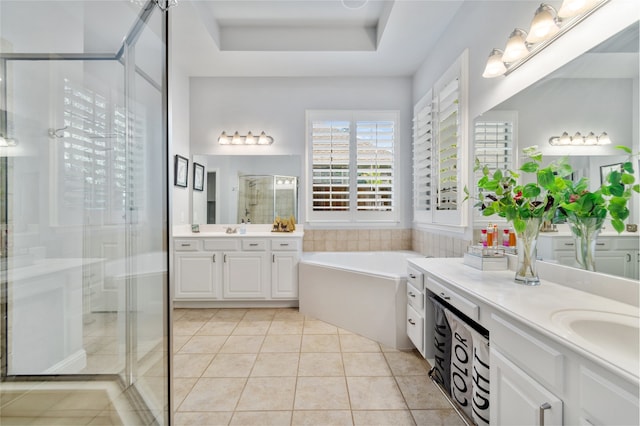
{"x":616,"y":333}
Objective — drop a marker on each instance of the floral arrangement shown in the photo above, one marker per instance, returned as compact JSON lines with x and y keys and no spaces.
{"x":611,"y":198}
{"x":502,"y":194}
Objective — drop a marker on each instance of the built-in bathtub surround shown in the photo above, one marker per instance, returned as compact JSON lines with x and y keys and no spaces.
{"x":357,"y":239}
{"x":438,"y":245}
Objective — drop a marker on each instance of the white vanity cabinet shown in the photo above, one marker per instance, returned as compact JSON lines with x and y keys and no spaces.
{"x":232,"y":270}
{"x":615,"y":254}
{"x":540,"y":372}
{"x":416,"y":302}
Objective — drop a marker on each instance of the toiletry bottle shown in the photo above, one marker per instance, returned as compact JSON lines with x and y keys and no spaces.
{"x":495,"y":236}
{"x":505,"y":237}
{"x":243,"y":227}
{"x":512,"y":237}
{"x":489,"y":235}
{"x":483,"y":237}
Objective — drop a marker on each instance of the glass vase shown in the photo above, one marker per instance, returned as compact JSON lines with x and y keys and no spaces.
{"x":585,"y":232}
{"x":526,"y":245}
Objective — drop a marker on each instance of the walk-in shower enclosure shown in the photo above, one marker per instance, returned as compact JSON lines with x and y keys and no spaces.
{"x":84,"y":325}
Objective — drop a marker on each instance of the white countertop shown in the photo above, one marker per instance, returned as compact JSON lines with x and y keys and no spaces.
{"x":535,"y":305}
{"x":218,"y":231}
{"x":607,"y":233}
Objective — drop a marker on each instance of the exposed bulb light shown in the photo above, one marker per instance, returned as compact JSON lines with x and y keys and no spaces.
{"x":264,"y":139}
{"x":565,"y":139}
{"x":250,"y":139}
{"x":237,"y":139}
{"x":590,"y":139}
{"x":224,"y":139}
{"x":495,"y":66}
{"x":578,"y":140}
{"x":571,"y":8}
{"x":544,"y":25}
{"x":603,"y":139}
{"x":516,"y":46}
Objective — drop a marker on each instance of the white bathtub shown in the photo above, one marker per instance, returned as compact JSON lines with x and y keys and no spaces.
{"x":363,"y":292}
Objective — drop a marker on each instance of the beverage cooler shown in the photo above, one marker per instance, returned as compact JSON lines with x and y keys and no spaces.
{"x":461,"y":361}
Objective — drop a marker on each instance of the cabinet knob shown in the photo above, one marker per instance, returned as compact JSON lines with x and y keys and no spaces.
{"x":214,"y":258}
{"x":284,"y":245}
{"x":444,"y":296}
{"x":568,"y":244}
{"x":599,"y":244}
{"x":411,"y":321}
{"x":628,"y":257}
{"x":411,"y":294}
{"x":185,"y":245}
{"x":253,"y":244}
{"x":412,"y":276}
{"x":542,"y":409}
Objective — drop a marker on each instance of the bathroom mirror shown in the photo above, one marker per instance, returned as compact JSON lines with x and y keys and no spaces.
{"x":597,"y":92}
{"x":254,"y":187}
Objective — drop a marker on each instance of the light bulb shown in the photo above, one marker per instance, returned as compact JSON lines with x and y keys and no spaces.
{"x":224,"y":139}
{"x":565,"y":139}
{"x":237,"y":139}
{"x":577,"y":139}
{"x":590,"y":139}
{"x":571,"y":8}
{"x":604,"y":139}
{"x":250,"y":139}
{"x":495,"y":67}
{"x":264,"y":139}
{"x":544,"y":25}
{"x":516,"y":47}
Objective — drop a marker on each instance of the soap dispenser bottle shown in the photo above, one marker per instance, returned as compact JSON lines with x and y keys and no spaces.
{"x":243,"y":227}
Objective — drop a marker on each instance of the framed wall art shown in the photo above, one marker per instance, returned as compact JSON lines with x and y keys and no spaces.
{"x":198,"y":177}
{"x":180,"y":171}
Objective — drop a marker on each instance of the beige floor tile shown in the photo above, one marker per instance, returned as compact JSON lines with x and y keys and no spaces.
{"x":242,"y":344}
{"x":355,"y":343}
{"x":217,"y":328}
{"x":213,"y":394}
{"x":276,"y":365}
{"x":384,"y":417}
{"x":320,"y":343}
{"x":251,"y":328}
{"x":230,"y":365}
{"x":260,"y":314}
{"x":375,"y":393}
{"x":365,"y":364}
{"x":321,"y":364}
{"x":62,"y":421}
{"x":200,"y":314}
{"x":230,"y":314}
{"x":179,"y":341}
{"x":201,"y":419}
{"x":286,"y":327}
{"x":321,"y":393}
{"x":319,"y":327}
{"x":291,"y":314}
{"x":421,"y":394}
{"x":446,"y":417}
{"x":203,"y":345}
{"x":178,"y":313}
{"x":261,"y":418}
{"x":282,"y":343}
{"x":268,"y":393}
{"x":181,"y":388}
{"x":322,"y":417}
{"x":186,"y":327}
{"x":190,"y":365}
{"x":407,"y":363}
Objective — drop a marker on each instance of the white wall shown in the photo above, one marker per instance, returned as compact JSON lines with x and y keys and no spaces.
{"x":180,"y":199}
{"x":277,"y":106}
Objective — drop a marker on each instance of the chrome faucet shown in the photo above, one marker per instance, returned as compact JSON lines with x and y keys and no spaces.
{"x":230,"y":230}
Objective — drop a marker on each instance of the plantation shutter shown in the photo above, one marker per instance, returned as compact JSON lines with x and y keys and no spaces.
{"x":375,"y":159}
{"x":330,"y":158}
{"x":448,"y":131}
{"x":422,"y":154}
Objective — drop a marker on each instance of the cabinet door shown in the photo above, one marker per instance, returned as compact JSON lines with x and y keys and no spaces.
{"x":614,"y":262}
{"x":517,"y":399}
{"x":245,"y":275}
{"x":196,"y":275}
{"x":284,"y":275}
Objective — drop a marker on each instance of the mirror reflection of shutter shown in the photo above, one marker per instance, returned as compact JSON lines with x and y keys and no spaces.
{"x":422,"y":157}
{"x":448,"y":131}
{"x":330,"y":158}
{"x":493,"y":135}
{"x":374,"y":153}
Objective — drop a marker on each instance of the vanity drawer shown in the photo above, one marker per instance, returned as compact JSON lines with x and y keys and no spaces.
{"x":254,"y":245}
{"x":568,"y":243}
{"x":415,"y":298}
{"x":626,"y":243}
{"x":415,"y":277}
{"x":278,"y":244}
{"x":220,"y":244}
{"x":186,"y":245}
{"x":415,"y":328}
{"x":529,"y":352}
{"x":461,"y":303}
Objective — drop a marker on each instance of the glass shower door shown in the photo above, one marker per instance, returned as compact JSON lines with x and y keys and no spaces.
{"x":83,"y":189}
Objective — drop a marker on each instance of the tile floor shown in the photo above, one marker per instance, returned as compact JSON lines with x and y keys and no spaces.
{"x":278,"y":367}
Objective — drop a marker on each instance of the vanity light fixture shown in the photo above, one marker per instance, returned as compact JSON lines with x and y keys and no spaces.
{"x":248,"y":139}
{"x":546,"y":26}
{"x":517,"y":47}
{"x":578,"y":140}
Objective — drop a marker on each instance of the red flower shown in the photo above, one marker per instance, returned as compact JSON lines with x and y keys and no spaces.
{"x":573,"y":198}
{"x":518,"y":196}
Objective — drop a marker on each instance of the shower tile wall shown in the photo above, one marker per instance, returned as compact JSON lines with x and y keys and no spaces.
{"x":357,"y":239}
{"x":437,"y":245}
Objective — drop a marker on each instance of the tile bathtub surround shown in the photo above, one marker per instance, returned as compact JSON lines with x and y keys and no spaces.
{"x":438,"y":245}
{"x":278,"y":367}
{"x":356,"y":239}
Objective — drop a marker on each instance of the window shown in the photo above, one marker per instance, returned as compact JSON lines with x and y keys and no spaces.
{"x":493,"y":134}
{"x":439,"y":135}
{"x":352,"y":161}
